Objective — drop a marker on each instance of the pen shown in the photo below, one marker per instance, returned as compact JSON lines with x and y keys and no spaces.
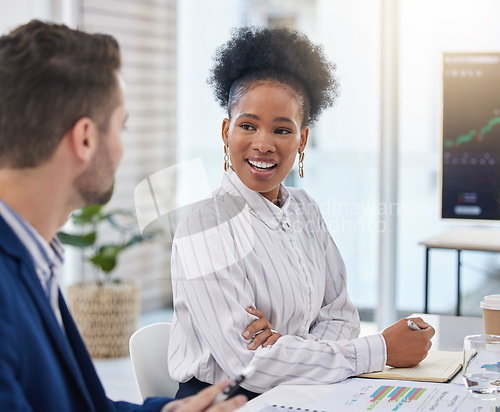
{"x":231,"y":389}
{"x":412,"y":325}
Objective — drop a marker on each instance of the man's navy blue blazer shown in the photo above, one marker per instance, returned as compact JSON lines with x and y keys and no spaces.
{"x":42,"y":367}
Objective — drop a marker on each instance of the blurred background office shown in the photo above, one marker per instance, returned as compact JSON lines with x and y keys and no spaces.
{"x":373,"y":161}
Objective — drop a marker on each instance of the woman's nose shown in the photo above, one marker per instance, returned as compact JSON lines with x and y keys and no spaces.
{"x":263,"y":142}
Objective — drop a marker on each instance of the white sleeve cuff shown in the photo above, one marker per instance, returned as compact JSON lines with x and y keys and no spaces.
{"x":371,"y":353}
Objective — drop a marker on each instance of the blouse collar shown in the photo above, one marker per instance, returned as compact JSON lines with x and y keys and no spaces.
{"x":270,"y":214}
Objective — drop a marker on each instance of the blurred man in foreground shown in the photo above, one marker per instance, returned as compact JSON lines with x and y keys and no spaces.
{"x":62,"y":111}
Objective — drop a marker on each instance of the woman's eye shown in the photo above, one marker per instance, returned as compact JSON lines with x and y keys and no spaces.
{"x":282,"y":131}
{"x":247,"y":127}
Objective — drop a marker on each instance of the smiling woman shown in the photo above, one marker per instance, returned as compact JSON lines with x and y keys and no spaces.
{"x":264,"y":134}
{"x":257,"y":279}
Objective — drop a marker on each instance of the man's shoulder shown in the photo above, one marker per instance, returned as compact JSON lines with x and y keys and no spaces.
{"x":14,"y":256}
{"x":9,"y":266}
{"x":10,"y":244}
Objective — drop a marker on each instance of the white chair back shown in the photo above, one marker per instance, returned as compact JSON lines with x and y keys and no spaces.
{"x":149,"y":355}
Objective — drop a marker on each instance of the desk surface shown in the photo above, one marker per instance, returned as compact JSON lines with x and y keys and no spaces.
{"x":480,"y":239}
{"x":450,"y":333}
{"x":451,"y":330}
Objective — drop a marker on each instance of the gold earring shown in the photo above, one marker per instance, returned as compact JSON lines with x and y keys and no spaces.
{"x":226,"y":158}
{"x":301,"y":164}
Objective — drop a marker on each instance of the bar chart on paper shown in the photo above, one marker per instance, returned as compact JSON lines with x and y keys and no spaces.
{"x":390,"y":395}
{"x":377,"y":395}
{"x":395,"y":396}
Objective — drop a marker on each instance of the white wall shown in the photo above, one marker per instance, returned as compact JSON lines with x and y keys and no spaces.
{"x":202,"y":26}
{"x":22,"y":11}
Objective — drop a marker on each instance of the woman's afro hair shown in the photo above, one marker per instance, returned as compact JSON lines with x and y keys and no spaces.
{"x":285,"y":53}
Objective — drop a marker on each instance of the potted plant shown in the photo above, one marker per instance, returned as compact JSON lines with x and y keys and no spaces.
{"x":105,"y":307}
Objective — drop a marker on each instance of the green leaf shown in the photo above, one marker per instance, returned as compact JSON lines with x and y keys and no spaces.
{"x":122,"y":221}
{"x":106,"y":257}
{"x":87,"y":215}
{"x":82,"y":241}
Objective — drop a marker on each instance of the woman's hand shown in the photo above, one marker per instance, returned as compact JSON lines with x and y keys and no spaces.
{"x":407,"y":347}
{"x":260,"y":331}
{"x":203,"y":401}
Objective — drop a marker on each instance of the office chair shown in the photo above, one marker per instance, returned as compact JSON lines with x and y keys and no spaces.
{"x":149,"y":354}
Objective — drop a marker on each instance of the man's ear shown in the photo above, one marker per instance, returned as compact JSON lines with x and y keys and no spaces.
{"x":83,"y":139}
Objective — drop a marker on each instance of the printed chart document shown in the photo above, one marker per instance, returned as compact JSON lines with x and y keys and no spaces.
{"x":394,"y":395}
{"x":438,"y":366}
{"x":383,"y":395}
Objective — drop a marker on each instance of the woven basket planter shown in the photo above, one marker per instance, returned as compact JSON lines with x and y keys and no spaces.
{"x":106,"y":315}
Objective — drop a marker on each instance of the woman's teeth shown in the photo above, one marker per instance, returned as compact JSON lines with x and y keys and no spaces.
{"x":261,"y":165}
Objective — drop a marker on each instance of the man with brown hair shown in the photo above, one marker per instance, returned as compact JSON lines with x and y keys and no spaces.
{"x":62,"y":110}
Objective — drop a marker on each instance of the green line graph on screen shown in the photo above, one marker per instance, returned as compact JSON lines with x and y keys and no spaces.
{"x":473,"y":134}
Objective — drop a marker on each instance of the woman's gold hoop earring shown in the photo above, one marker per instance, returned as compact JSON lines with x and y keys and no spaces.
{"x":301,"y":164}
{"x":226,"y":158}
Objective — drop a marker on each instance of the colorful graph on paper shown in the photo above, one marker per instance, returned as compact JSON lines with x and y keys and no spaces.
{"x":396,"y":395}
{"x":391,"y":395}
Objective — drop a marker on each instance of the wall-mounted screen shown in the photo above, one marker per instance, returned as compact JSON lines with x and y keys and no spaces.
{"x":471,"y":136}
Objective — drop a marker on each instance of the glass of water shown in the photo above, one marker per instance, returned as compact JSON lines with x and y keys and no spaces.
{"x":482,"y":363}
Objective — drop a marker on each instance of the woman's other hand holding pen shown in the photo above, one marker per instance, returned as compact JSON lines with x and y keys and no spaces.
{"x":204,"y":401}
{"x":407,"y":347}
{"x":260,"y":331}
